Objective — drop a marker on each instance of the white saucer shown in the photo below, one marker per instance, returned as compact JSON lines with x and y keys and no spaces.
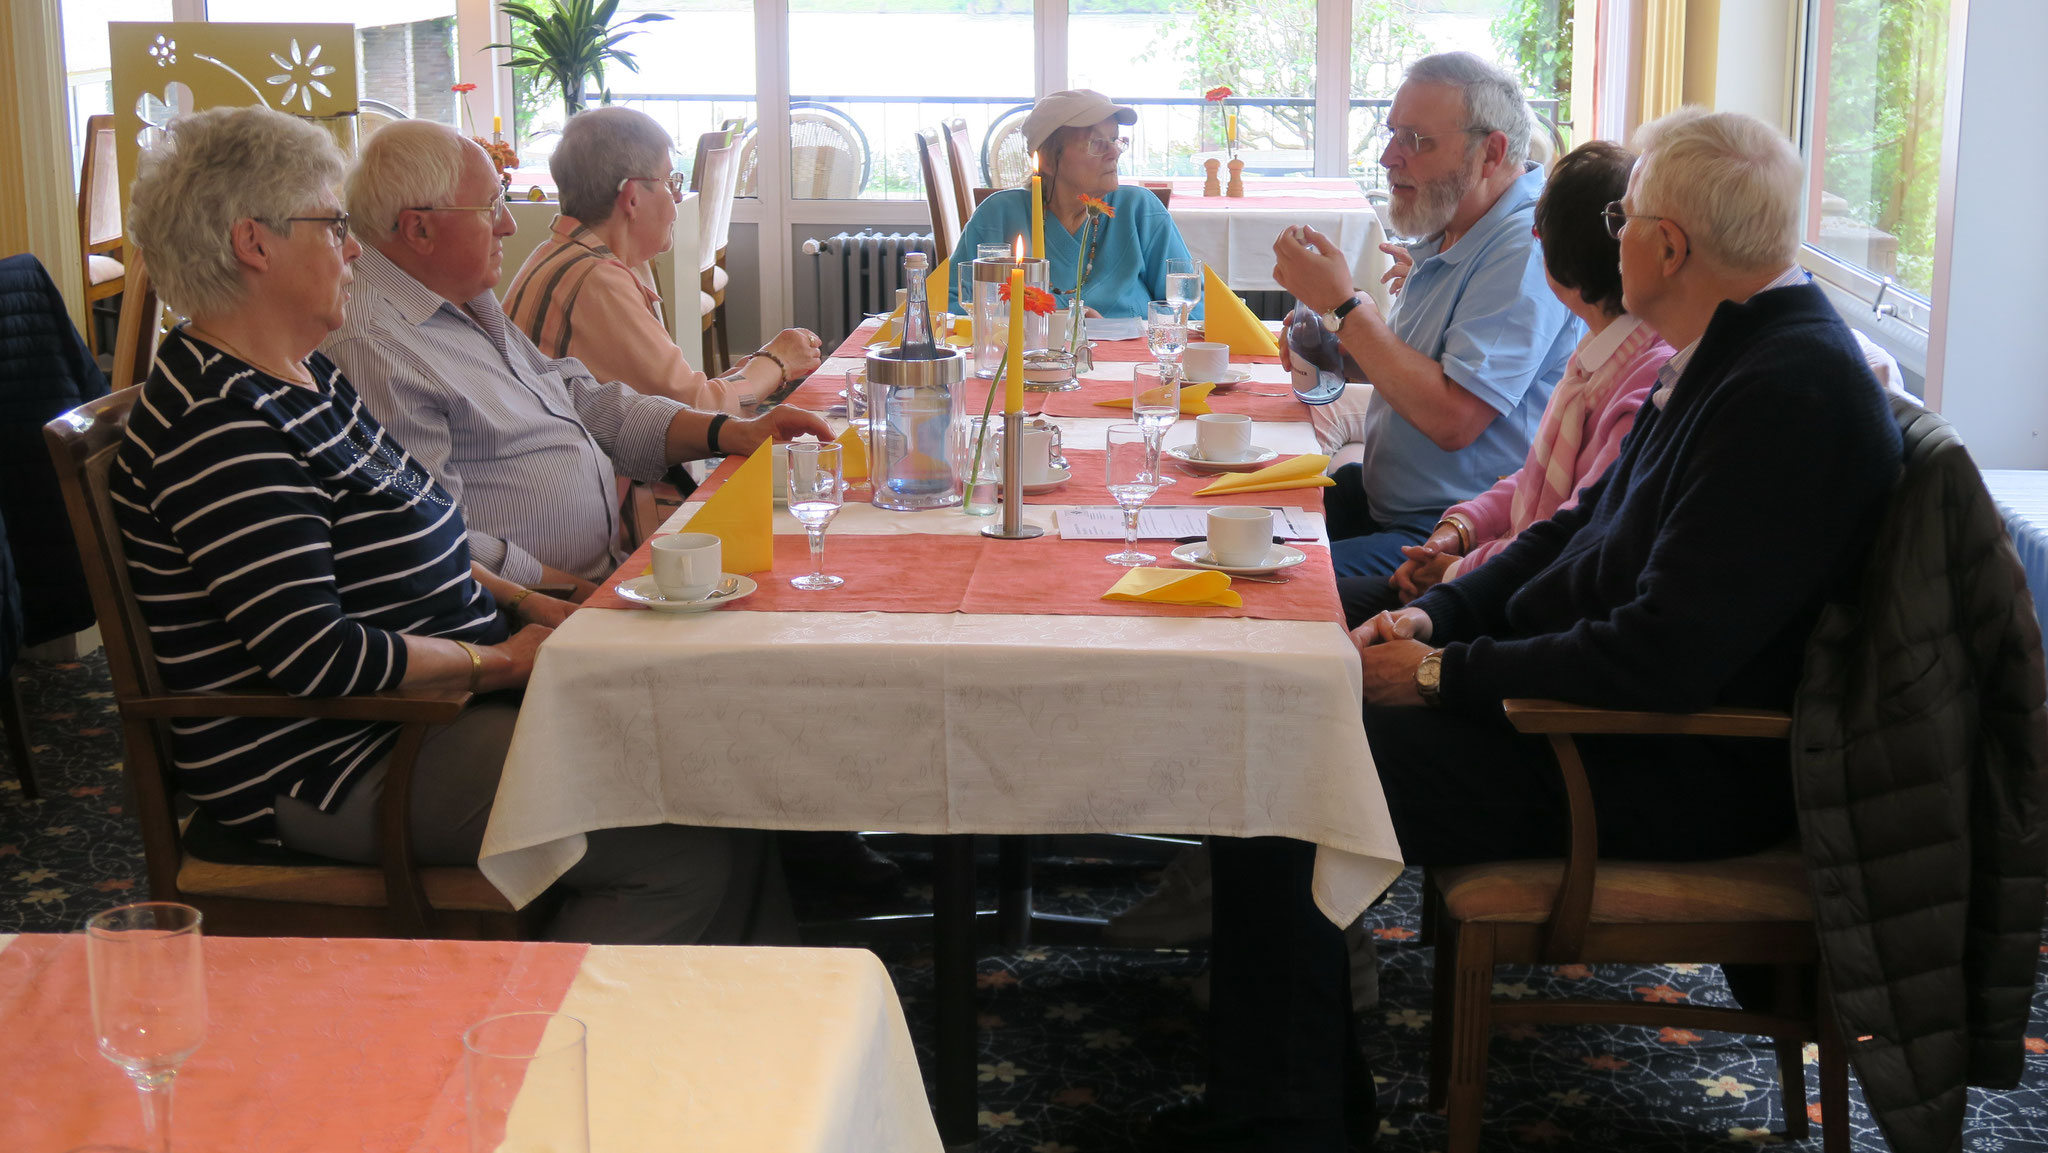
{"x":1185,"y":454}
{"x":1060,"y":476}
{"x":1228,"y":381}
{"x":1280,"y":556}
{"x":643,"y":591}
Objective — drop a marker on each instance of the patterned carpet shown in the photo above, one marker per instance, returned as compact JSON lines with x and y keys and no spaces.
{"x":1079,"y":1045}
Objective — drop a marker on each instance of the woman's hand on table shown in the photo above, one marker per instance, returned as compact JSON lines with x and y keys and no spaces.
{"x":541,"y":609}
{"x":1404,"y":263}
{"x":1425,"y":568}
{"x":1312,"y":267}
{"x":798,"y":349}
{"x":781,"y":423}
{"x":1390,"y":671}
{"x":517,"y":653}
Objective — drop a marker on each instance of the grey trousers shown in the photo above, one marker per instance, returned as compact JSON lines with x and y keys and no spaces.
{"x":647,"y":885}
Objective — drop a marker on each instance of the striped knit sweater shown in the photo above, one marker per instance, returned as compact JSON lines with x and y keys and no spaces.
{"x":278,"y":539}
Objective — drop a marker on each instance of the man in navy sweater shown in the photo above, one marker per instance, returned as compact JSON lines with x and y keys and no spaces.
{"x":1688,"y":576}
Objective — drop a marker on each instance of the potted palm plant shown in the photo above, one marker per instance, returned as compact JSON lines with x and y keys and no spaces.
{"x":570,"y":43}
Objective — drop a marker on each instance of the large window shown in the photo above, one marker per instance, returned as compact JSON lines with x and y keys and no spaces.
{"x":866,"y":77}
{"x":1880,"y":79}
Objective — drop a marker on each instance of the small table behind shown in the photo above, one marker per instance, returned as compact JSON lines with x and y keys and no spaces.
{"x":1234,"y":234}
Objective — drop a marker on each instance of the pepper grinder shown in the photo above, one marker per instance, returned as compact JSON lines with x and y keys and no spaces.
{"x":1236,"y":178}
{"x":1211,"y":186}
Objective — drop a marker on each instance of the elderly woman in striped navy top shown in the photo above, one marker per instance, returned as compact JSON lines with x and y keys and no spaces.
{"x":279,"y":538}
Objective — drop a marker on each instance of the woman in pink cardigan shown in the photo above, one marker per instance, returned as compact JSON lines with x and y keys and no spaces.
{"x":1593,"y":407}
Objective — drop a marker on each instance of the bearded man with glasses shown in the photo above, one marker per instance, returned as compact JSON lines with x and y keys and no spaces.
{"x":530,"y":445}
{"x":1466,"y":359}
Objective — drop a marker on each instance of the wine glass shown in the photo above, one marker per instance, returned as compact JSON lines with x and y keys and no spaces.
{"x":1183,"y":287}
{"x":1155,"y":405}
{"x":1132,"y":482}
{"x":148,"y":999}
{"x":1166,"y":332}
{"x":815,"y":494}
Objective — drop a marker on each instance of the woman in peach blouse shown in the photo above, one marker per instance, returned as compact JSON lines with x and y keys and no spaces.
{"x":585,"y":292}
{"x":1593,"y":407}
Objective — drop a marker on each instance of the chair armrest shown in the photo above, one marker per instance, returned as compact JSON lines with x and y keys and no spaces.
{"x":434,"y":708}
{"x":1538,"y":716}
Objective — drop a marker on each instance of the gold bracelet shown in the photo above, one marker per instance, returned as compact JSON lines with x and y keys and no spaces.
{"x":512,"y":606}
{"x":476,"y":666}
{"x":1463,"y":530}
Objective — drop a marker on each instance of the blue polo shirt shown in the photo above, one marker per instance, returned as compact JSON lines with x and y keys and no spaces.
{"x":1484,"y":311}
{"x":1130,"y":264}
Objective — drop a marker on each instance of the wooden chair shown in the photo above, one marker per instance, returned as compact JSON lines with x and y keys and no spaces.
{"x":957,"y":150}
{"x":100,"y":234}
{"x":938,"y":193}
{"x":713,"y":179}
{"x":1750,"y":910}
{"x":141,"y":327}
{"x":1005,"y":162}
{"x":243,"y":888}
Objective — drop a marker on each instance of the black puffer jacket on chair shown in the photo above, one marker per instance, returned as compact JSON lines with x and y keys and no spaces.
{"x":1920,"y":756}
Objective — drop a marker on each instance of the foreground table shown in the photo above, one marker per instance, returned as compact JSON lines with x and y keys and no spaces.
{"x":325,"y":1045}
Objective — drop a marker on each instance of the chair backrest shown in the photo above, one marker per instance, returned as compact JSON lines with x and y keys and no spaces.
{"x":938,"y":192}
{"x":958,"y":149}
{"x":99,"y":189}
{"x":705,"y":144}
{"x":142,"y":318}
{"x":1005,"y":162}
{"x":716,"y":168}
{"x":828,"y":159}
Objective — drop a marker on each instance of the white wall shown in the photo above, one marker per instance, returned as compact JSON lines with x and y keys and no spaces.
{"x":1985,"y":365}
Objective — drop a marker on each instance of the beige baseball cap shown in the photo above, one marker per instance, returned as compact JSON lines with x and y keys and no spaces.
{"x":1072,"y":108}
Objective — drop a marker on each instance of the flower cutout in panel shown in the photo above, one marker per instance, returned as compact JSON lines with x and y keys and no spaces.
{"x":164,"y":51}
{"x":301,"y":76}
{"x":156,"y":113}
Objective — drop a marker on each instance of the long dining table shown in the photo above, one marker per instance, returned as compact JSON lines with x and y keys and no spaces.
{"x":314,"y":1046}
{"x":959,"y":685}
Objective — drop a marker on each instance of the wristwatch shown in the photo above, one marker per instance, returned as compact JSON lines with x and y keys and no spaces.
{"x":1429,"y":678}
{"x":1334,"y":318}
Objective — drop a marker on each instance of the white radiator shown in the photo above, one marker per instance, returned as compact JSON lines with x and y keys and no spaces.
{"x":856,"y":274}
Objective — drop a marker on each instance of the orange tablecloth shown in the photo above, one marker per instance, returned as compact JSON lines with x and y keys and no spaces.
{"x":1254,"y":399}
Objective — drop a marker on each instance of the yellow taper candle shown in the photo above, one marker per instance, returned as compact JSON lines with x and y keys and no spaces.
{"x":1013,"y":360}
{"x":497,"y":126}
{"x":1230,"y":126}
{"x":1037,"y":213}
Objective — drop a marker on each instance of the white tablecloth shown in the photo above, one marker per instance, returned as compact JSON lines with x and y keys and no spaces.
{"x":948,"y":723}
{"x":1235,"y":234}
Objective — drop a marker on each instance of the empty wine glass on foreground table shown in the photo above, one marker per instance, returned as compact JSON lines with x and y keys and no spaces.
{"x":1183,"y":287}
{"x":1155,"y":405}
{"x":816,"y":492}
{"x":148,"y":979}
{"x":1132,"y":482}
{"x":1166,"y":333}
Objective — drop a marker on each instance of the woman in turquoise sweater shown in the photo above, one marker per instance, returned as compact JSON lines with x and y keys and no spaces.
{"x":1075,"y":136}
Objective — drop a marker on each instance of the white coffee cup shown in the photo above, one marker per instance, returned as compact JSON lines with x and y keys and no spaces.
{"x":1036,"y":463}
{"x":687,"y":565}
{"x":1223,"y":437}
{"x":1204,"y":361}
{"x":1240,"y":537}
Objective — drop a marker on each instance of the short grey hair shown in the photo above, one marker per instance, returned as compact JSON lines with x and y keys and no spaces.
{"x":212,"y":169}
{"x":1493,"y":101}
{"x":598,"y":149}
{"x":406,"y":164}
{"x":1732,"y":182}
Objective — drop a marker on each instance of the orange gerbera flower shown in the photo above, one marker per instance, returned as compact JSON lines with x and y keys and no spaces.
{"x":1220,"y":92}
{"x":1096,"y":206}
{"x":464,"y":88}
{"x":1037,"y":301}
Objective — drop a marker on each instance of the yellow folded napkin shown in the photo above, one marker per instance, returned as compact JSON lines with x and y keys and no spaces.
{"x":853,"y":455}
{"x":1228,"y":320}
{"x":1167,"y":586}
{"x":741,"y":514}
{"x":1194,"y":399}
{"x":963,"y":331}
{"x":1304,"y":471}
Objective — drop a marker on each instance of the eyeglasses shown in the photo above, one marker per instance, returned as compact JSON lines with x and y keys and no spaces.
{"x":1618,"y":219}
{"x":1100,"y":146}
{"x":676,"y":181}
{"x":490,"y":210}
{"x":1406,"y":140}
{"x":337,"y":225}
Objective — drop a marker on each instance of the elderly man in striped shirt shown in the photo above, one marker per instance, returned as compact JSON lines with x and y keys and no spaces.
{"x":531,"y":446}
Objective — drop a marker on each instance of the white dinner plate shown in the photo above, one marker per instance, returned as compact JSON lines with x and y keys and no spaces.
{"x":1228,"y":381}
{"x":1280,"y":556}
{"x":643,"y":591}
{"x":1185,"y":454}
{"x":1060,"y":476}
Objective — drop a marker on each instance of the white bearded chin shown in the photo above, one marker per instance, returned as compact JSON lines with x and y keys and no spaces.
{"x":1434,"y":204}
